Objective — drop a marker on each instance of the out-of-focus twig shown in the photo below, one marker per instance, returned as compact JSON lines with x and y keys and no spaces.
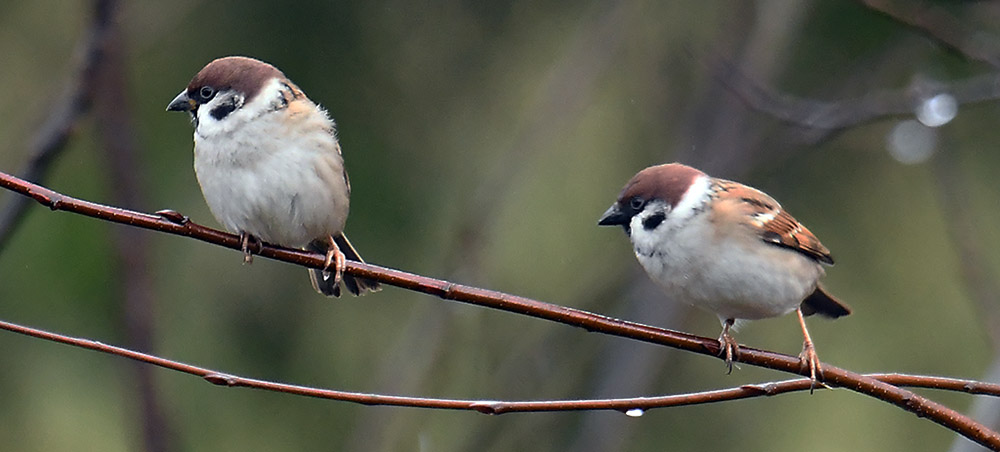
{"x":113,"y":114}
{"x":572,"y":81}
{"x":939,"y":24}
{"x":570,"y":84}
{"x":173,"y":223}
{"x":836,"y":116}
{"x":72,"y":104}
{"x":828,"y":118}
{"x":973,"y":265}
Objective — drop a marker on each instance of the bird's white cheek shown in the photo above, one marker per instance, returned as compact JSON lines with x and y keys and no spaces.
{"x":209,"y":127}
{"x":672,"y":255}
{"x":644,"y":241}
{"x":649,"y":247}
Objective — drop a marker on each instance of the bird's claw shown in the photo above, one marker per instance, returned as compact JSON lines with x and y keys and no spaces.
{"x":336,"y":259}
{"x":245,"y":240}
{"x":729,"y":348}
{"x":809,"y":359}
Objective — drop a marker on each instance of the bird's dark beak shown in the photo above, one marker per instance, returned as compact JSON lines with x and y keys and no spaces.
{"x":614,"y":216}
{"x":182,"y":103}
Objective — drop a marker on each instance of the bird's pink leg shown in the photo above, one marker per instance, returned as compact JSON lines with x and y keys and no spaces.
{"x":808,"y":357}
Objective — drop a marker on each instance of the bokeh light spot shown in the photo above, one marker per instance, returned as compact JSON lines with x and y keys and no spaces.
{"x":938,"y":110}
{"x":911,"y":142}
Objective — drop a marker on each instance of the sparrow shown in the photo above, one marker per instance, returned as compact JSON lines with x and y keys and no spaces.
{"x":269,"y":165}
{"x":727,"y":248}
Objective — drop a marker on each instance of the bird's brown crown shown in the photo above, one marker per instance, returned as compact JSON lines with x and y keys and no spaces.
{"x":667,"y":182}
{"x":242,"y":74}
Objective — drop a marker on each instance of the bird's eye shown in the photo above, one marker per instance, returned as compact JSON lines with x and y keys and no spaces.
{"x":206,"y":92}
{"x":636,"y":203}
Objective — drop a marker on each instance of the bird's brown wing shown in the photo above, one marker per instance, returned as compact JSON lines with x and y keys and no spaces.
{"x":785,"y":231}
{"x":775,"y":225}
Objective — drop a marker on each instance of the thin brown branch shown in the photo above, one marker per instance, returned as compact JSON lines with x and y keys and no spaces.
{"x":67,"y":110}
{"x":625,"y":405}
{"x":173,"y":223}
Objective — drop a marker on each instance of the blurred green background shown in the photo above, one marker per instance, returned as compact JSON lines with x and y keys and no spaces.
{"x":483,"y":140}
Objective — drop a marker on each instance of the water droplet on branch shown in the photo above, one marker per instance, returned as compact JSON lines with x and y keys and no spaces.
{"x":635,"y":412}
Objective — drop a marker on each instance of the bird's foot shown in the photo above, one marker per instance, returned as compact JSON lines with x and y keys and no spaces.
{"x":336,"y":259}
{"x":809,"y":359}
{"x":728,"y":347}
{"x":245,"y":240}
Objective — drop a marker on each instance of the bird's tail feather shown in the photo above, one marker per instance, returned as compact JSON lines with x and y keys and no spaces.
{"x":822,"y":303}
{"x":325,"y":284}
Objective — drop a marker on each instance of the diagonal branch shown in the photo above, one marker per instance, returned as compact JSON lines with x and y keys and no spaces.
{"x":939,"y":24}
{"x":174,"y":223}
{"x":831,"y":117}
{"x":626,"y":405}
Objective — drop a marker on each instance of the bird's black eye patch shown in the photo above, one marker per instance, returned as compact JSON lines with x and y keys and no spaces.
{"x":636,"y":203}
{"x":653,"y":221}
{"x":206,"y":93}
{"x":227,"y":103}
{"x":223,"y":110}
